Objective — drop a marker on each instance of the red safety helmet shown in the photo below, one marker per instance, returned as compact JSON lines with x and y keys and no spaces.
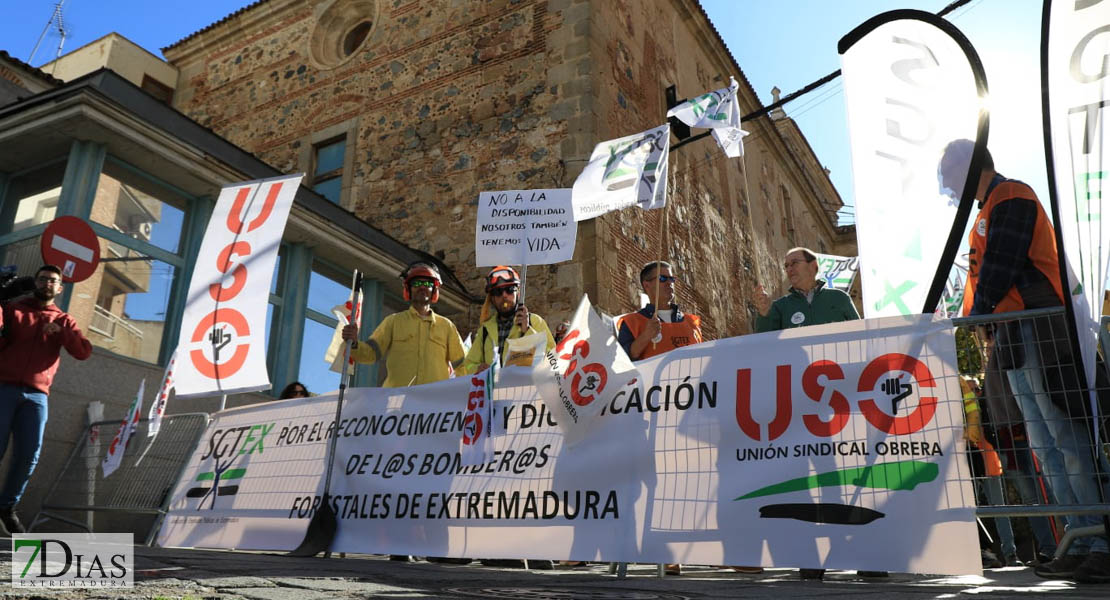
{"x":421,"y":270}
{"x":501,"y":276}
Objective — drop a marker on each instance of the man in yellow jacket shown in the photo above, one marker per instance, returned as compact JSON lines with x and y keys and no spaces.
{"x":418,"y":345}
{"x":503,"y":318}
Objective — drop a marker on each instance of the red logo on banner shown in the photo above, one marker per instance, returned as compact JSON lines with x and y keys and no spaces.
{"x":221,"y":338}
{"x":587,"y":382}
{"x":872,"y":373}
{"x":225,"y":325}
{"x":472,"y":423}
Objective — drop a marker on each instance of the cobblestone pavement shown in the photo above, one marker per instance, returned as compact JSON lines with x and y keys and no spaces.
{"x":200,"y":574}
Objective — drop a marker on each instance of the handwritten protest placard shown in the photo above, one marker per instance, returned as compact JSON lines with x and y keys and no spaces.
{"x":524,"y":227}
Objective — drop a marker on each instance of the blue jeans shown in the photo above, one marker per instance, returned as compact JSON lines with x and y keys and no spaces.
{"x":1061,"y":442}
{"x":992,"y":486}
{"x":23,"y":415}
{"x":1024,"y":478}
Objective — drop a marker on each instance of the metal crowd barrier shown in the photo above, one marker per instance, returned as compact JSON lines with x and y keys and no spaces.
{"x":137,"y":486}
{"x":1037,"y":428}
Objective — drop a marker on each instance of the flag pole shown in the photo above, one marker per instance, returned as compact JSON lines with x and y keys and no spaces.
{"x":321,"y":529}
{"x":748,"y":198}
{"x":664,"y":231}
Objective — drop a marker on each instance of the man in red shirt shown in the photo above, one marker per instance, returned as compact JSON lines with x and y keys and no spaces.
{"x":34,"y":332}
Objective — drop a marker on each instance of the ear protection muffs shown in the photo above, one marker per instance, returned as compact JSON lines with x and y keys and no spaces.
{"x":422,"y":270}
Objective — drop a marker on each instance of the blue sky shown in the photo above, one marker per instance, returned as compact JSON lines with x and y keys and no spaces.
{"x":792,"y":43}
{"x":786,"y":43}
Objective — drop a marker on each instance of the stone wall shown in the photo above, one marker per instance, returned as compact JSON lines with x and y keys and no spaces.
{"x":447,"y":99}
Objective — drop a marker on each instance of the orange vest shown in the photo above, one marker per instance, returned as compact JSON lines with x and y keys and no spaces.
{"x":674,"y":335}
{"x":1042,"y":250}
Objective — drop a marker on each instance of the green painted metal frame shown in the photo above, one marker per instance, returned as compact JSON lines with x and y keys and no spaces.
{"x":297,"y":266}
{"x":372,"y":309}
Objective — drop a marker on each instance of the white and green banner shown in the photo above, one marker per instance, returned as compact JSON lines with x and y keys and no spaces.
{"x":718,"y":110}
{"x":909,"y":89}
{"x":834,"y":446}
{"x":627,"y":171}
{"x":838,"y":272}
{"x":1075,"y":73}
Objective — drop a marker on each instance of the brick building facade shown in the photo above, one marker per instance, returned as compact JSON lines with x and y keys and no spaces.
{"x":403,"y":111}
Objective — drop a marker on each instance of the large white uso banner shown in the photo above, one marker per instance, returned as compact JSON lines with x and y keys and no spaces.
{"x":221,"y":346}
{"x":829,"y":446}
{"x":524,"y":227}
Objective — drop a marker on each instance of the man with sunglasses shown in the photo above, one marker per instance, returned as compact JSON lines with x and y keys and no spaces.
{"x":503,"y":318}
{"x":419,"y":345}
{"x":34,"y":332}
{"x":808,"y":302}
{"x":650,"y":331}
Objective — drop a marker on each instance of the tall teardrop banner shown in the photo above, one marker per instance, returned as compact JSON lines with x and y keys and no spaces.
{"x":1075,"y":85}
{"x":912,"y":84}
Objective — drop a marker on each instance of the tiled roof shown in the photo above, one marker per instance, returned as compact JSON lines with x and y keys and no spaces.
{"x":246,"y":8}
{"x":33,"y":70}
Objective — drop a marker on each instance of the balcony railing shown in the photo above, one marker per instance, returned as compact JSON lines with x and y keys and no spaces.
{"x":109,"y":325}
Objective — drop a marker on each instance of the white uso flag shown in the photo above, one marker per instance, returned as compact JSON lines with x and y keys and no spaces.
{"x":114,"y":457}
{"x":622,"y":172}
{"x":222,"y":339}
{"x":158,"y":407}
{"x":910,"y":89}
{"x":586,"y":369}
{"x":342,"y":313}
{"x":476,"y":445}
{"x":717,"y":110}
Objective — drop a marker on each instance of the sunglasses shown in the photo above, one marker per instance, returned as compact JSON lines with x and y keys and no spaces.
{"x":422,"y":283}
{"x":509,"y":289}
{"x":667,"y":279}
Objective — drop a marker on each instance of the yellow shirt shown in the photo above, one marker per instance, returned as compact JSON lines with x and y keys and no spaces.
{"x":417,"y":349}
{"x":481,"y":351}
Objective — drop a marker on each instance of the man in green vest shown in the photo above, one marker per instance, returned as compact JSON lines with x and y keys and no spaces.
{"x":808,"y":302}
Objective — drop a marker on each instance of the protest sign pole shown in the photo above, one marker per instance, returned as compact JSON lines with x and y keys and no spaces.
{"x":523,"y":282}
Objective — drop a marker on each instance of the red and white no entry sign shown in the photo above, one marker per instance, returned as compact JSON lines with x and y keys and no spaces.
{"x":71,"y":244}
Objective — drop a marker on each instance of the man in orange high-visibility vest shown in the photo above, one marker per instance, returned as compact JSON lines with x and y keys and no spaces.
{"x":1013,"y":266}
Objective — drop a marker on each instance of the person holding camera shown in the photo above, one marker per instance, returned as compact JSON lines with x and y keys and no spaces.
{"x":34,"y":332}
